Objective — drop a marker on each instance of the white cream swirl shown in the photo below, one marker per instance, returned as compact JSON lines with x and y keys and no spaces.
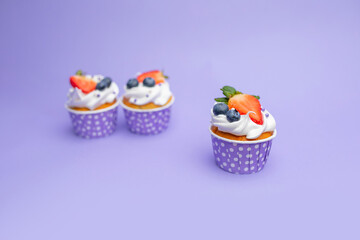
{"x":141,"y":95}
{"x":94,"y":99}
{"x":245,"y":126}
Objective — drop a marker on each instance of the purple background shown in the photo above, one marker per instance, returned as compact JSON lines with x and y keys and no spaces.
{"x":301,"y":57}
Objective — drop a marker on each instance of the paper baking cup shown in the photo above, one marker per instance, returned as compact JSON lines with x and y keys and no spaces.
{"x":94,"y":124}
{"x":241,"y":157}
{"x":147,"y":121}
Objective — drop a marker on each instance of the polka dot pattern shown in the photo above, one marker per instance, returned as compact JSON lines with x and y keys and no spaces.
{"x":147,"y":123}
{"x":240,"y":158}
{"x":94,"y":125}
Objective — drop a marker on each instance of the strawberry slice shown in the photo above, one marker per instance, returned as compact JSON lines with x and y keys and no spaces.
{"x":157,"y":75}
{"x":244,"y":103}
{"x":83,"y":83}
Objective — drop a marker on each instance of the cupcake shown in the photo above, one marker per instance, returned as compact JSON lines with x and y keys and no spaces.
{"x":147,"y":103}
{"x":92,"y":103}
{"x":241,"y":132}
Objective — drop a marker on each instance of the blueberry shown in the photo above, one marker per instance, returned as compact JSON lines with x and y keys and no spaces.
{"x":100,"y":86}
{"x":233,"y":115}
{"x":133,"y":82}
{"x":149,"y":82}
{"x":105,"y":83}
{"x":220,"y":108}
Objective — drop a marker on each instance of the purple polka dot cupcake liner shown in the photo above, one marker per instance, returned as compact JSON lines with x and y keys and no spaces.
{"x":148,"y":121}
{"x":94,"y":124}
{"x":241,"y":157}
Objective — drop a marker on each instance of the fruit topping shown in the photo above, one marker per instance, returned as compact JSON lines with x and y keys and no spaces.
{"x":85,"y":84}
{"x":149,"y":82}
{"x":220,"y":108}
{"x":233,"y":115}
{"x":105,"y":83}
{"x":133,"y":82}
{"x":157,"y":75}
{"x":243,"y":103}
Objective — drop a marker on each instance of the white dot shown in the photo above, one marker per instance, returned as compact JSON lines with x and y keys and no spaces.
{"x":264,"y":145}
{"x":96,"y":117}
{"x":259,"y":168}
{"x":246,"y":169}
{"x":97,"y":122}
{"x":236,"y":159}
{"x":260,"y":155}
{"x":240,"y":155}
{"x":257,"y":152}
{"x":222,"y":144}
{"x":249,"y":148}
{"x":251,"y":162}
{"x":238,"y":168}
{"x":218,"y":159}
{"x":232,"y":165}
{"x":224,"y":163}
{"x":216,"y":143}
{"x":252,"y":168}
{"x":247,"y":162}
{"x":241,"y":148}
{"x":234,"y":144}
{"x":215,"y":151}
{"x":223,"y":154}
{"x":257,"y":146}
{"x":231,"y":149}
{"x":263,"y":163}
{"x":230,"y":170}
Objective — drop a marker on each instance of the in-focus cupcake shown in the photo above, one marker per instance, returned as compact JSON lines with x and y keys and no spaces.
{"x":241,"y":131}
{"x":92,"y":103}
{"x":147,"y":103}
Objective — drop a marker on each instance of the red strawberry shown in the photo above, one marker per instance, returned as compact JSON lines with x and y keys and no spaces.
{"x":157,"y":75}
{"x":83,"y":83}
{"x":244,"y":103}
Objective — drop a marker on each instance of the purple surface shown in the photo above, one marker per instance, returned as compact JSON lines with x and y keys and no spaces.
{"x":147,"y":122}
{"x":301,"y":57}
{"x":94,"y":124}
{"x":240,"y":158}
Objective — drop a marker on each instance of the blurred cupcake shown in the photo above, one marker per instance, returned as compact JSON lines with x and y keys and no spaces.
{"x":241,"y":131}
{"x":92,"y":103}
{"x":147,"y":103}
